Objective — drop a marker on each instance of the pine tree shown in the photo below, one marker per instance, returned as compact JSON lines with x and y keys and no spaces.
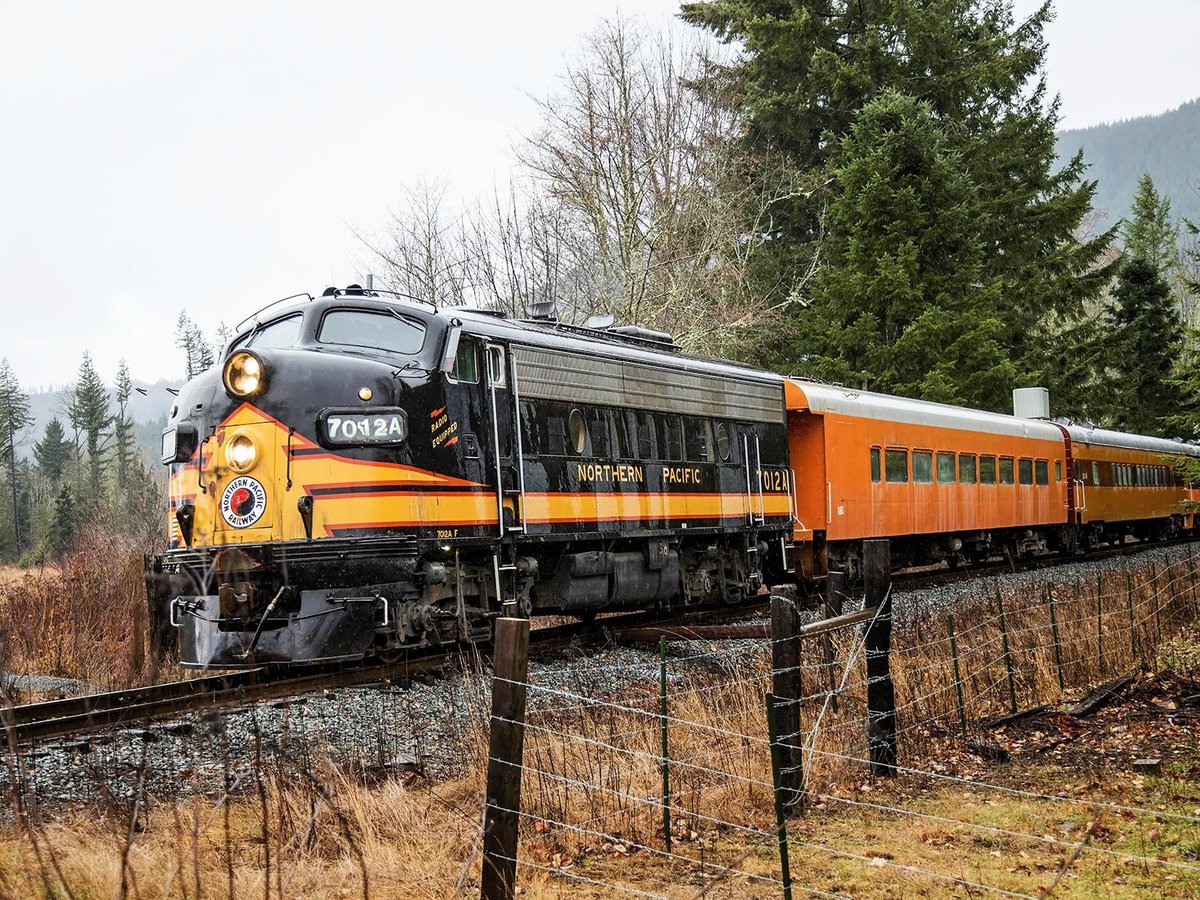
{"x":65,"y":521}
{"x":807,"y":71}
{"x":90,"y":415}
{"x":1145,"y":341}
{"x":123,"y":436}
{"x":197,"y":352}
{"x":53,"y":451}
{"x":14,"y":417}
{"x":1149,"y":232}
{"x":900,"y":304}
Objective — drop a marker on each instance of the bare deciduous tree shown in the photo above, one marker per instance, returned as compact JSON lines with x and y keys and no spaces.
{"x":629,"y":199}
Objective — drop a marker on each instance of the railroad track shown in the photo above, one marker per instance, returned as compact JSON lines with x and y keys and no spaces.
{"x":85,"y":715}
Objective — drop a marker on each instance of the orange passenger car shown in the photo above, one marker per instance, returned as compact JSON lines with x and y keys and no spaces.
{"x":958,"y":485}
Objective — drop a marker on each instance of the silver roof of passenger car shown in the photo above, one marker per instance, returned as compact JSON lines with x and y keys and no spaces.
{"x":825,"y":398}
{"x":1104,"y":438}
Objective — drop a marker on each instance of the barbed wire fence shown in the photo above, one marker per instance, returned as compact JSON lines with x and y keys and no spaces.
{"x":689,"y":777}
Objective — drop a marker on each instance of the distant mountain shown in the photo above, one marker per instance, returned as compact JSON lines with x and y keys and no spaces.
{"x":1118,"y":153}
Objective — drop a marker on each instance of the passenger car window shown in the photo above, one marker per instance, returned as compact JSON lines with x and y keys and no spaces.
{"x":896,"y":465}
{"x":1025,"y":471}
{"x":372,"y":330}
{"x":278,"y":335}
{"x":875,"y":465}
{"x":1096,"y":473}
{"x":966,"y":468}
{"x":922,"y":466}
{"x":1042,"y":471}
{"x":466,"y":367}
{"x":1058,"y":470}
{"x":945,"y":465}
{"x":1006,"y":470}
{"x":987,"y":470}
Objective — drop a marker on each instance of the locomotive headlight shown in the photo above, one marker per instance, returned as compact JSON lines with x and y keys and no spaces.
{"x":241,"y":453}
{"x":245,"y":374}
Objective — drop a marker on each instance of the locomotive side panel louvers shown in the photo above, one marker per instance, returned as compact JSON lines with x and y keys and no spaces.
{"x":576,"y":378}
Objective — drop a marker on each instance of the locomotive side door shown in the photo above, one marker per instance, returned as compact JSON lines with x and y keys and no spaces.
{"x":504,"y":438}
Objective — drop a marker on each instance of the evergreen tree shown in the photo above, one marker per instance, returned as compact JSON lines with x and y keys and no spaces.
{"x":899,"y":305}
{"x":197,"y":352}
{"x":808,"y":70}
{"x":123,"y":436}
{"x":65,"y":521}
{"x":90,"y":415}
{"x":1145,"y":340}
{"x":53,"y":451}
{"x":1149,"y":232}
{"x":14,"y":417}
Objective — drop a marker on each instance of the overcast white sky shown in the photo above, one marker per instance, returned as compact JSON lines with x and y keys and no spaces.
{"x":160,"y":156}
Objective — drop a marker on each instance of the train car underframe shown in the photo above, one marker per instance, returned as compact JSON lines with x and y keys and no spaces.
{"x":973,"y":548}
{"x":273,"y":603}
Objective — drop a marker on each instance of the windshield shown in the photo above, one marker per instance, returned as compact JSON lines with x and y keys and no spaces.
{"x":374,"y":330}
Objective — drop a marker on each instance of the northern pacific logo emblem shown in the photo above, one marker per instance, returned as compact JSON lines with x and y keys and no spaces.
{"x":243,"y":502}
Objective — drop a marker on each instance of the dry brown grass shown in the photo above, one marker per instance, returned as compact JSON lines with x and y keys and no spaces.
{"x":84,"y":619}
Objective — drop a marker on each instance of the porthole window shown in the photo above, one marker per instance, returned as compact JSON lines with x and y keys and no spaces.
{"x":577,"y":428}
{"x":721,"y":433}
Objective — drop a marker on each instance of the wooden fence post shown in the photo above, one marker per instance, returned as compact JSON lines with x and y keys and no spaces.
{"x":787,"y":689}
{"x":785,"y":871}
{"x":1100,"y":625}
{"x":501,"y":814}
{"x":1133,"y":635}
{"x":835,"y":593}
{"x":1008,"y":662}
{"x":962,"y":707}
{"x":666,"y":757}
{"x":1058,"y":663}
{"x":881,"y":693}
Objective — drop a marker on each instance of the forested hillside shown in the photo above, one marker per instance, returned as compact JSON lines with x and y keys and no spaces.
{"x":1119,"y":153}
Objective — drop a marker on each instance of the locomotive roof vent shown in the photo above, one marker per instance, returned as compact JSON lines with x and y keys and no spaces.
{"x":643,"y":334}
{"x":544,"y":311}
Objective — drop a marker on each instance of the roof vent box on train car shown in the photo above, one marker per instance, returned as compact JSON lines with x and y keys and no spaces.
{"x":1031,"y":403}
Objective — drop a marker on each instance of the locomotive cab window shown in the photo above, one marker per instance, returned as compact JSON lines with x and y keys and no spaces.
{"x":1006,"y":470}
{"x":371,"y":330}
{"x":966,"y":468}
{"x":278,"y":335}
{"x":466,"y":365}
{"x":875,"y":466}
{"x":1025,"y":471}
{"x":945,"y":467}
{"x":922,"y":466}
{"x":987,"y":470}
{"x":1041,"y":472}
{"x":896,"y":466}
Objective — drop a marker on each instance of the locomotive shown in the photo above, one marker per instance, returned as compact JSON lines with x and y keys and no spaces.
{"x":365,"y":474}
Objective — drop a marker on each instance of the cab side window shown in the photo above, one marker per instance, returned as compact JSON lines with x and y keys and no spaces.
{"x":466,"y":361}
